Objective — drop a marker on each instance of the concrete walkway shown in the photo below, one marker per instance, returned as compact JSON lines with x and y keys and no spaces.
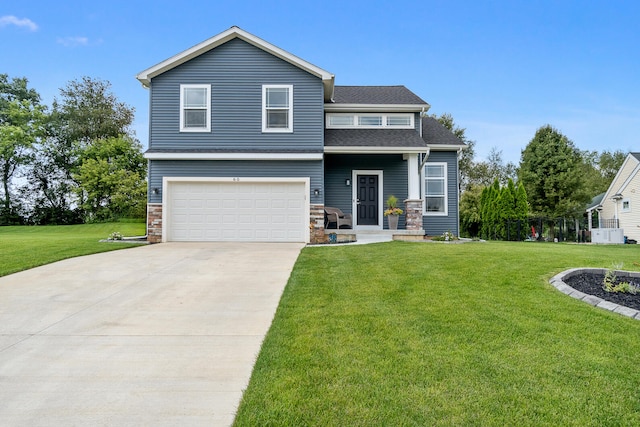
{"x":159,"y":335}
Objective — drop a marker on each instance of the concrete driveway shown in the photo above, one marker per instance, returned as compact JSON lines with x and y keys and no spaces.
{"x":150,"y":336}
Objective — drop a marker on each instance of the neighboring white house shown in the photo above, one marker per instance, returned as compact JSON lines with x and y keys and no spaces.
{"x":619,"y":210}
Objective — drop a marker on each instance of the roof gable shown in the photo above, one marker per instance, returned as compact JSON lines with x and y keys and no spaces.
{"x":627,"y":172}
{"x":235,"y":32}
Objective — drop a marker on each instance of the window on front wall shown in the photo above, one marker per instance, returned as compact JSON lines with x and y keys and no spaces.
{"x":374,"y":121}
{"x":435,"y":188}
{"x":400,"y":121}
{"x":370,"y":120}
{"x":195,"y":108}
{"x":277,"y":108}
{"x":340,"y":121}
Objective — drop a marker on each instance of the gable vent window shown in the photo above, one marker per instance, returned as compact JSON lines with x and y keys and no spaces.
{"x":339,"y":121}
{"x":399,"y":121}
{"x":375,"y":121}
{"x":195,"y":108}
{"x":277,"y":108}
{"x":370,"y":121}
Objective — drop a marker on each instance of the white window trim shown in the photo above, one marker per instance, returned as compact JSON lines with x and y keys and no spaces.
{"x":424,"y":190}
{"x":628,"y":209}
{"x":264,"y":109}
{"x":384,"y":125}
{"x":207,"y":128}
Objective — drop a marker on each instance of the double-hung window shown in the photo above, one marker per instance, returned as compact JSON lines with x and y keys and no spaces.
{"x":277,"y":108}
{"x":195,"y":108}
{"x":626,"y":205}
{"x":435,"y":188}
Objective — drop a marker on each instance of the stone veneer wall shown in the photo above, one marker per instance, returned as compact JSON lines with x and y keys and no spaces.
{"x":154,"y":222}
{"x":413,"y":214}
{"x":316,"y":224}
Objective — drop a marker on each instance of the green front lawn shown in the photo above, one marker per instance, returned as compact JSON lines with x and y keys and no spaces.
{"x":415,"y":334}
{"x":25,"y":247}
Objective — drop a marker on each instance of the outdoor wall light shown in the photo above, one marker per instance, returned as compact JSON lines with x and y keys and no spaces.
{"x":347,"y":182}
{"x":155,"y":191}
{"x":316,"y":192}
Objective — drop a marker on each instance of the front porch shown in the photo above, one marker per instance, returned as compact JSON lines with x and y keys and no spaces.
{"x":371,"y":236}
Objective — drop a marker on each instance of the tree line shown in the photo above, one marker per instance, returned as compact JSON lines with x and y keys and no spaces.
{"x":75,"y":161}
{"x":554,"y":177}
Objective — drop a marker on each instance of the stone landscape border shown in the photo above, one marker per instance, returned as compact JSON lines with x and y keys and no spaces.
{"x":558,"y":282}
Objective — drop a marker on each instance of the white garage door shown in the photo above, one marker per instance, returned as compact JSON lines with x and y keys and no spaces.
{"x":237,"y":211}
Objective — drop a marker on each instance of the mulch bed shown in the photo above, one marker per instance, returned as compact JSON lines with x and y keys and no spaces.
{"x":591,"y":284}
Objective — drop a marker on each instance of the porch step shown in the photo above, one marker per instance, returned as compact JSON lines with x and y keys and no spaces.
{"x":374,"y":236}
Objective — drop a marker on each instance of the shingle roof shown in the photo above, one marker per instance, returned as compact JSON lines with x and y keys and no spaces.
{"x":391,"y":95}
{"x":372,"y":138}
{"x":434,"y":133}
{"x":595,"y":202}
{"x":636,"y":155}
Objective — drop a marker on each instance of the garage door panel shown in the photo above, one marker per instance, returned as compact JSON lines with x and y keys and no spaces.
{"x":237,"y":211}
{"x":212,"y":203}
{"x":245,"y":204}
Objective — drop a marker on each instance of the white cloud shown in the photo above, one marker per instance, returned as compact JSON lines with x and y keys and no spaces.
{"x":73,"y":41}
{"x":23,"y":23}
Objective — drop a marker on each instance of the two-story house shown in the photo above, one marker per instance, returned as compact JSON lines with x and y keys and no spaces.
{"x":248,"y":142}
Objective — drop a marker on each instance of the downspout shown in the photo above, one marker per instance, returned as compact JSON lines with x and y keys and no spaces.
{"x":424,"y":159}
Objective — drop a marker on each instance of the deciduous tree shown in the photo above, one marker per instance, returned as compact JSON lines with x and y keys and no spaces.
{"x":111,"y":177}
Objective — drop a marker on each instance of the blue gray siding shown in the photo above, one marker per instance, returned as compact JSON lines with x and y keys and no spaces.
{"x":436,"y":225}
{"x":338,"y":167}
{"x":227,"y":168}
{"x":236,"y":71}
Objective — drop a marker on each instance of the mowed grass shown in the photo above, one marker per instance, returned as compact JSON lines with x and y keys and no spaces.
{"x":415,"y":334}
{"x":24,"y":247}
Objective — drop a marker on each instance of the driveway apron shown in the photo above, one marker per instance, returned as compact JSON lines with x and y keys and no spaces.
{"x":157,"y":335}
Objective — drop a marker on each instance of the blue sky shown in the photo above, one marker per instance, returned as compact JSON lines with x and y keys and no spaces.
{"x":501,"y":68}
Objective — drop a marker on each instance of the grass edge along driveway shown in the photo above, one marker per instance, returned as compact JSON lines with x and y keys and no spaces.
{"x":434,"y":334}
{"x":24,"y":247}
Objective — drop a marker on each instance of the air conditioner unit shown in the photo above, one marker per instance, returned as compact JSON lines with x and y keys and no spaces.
{"x":607,"y":236}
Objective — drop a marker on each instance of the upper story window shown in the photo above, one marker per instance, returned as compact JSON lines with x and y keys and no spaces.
{"x":435,"y":188}
{"x":370,"y":120}
{"x":277,"y":108}
{"x":626,"y":205}
{"x":195,"y":108}
{"x":374,"y":121}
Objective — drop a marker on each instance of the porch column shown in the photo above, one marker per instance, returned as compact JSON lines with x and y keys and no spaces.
{"x":413,"y":176}
{"x":413,"y":204}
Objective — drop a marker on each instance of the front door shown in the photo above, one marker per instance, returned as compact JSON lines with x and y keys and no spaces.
{"x":367,"y":200}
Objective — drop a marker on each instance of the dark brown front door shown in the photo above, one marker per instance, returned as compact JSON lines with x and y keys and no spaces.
{"x":367,"y":200}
